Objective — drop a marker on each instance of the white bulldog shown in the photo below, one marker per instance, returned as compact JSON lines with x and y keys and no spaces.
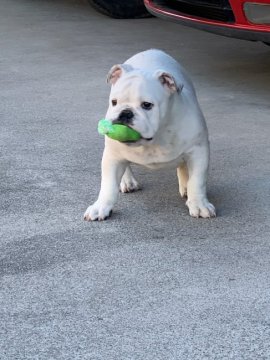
{"x":152,"y":94}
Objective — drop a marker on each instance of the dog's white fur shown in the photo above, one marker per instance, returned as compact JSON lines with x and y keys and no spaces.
{"x":175,"y":125}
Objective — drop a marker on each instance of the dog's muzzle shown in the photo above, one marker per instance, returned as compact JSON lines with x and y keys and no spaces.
{"x":125,"y":118}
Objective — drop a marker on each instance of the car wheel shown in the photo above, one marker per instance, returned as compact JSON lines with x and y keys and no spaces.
{"x":120,"y":9}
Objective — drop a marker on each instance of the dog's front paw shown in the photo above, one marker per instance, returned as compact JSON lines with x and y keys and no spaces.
{"x":201,"y":208}
{"x":98,"y":211}
{"x":129,"y":185}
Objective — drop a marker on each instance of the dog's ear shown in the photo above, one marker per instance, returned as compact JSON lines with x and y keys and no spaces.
{"x":168,"y":81}
{"x":117,"y":71}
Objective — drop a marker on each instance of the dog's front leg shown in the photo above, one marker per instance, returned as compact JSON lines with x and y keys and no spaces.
{"x":197,"y":202}
{"x":129,"y":183}
{"x":112,"y":172}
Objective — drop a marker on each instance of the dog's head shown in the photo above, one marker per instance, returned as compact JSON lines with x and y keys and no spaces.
{"x":140,"y":100}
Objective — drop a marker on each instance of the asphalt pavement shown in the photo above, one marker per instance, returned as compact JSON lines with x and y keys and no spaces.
{"x":151,"y":283}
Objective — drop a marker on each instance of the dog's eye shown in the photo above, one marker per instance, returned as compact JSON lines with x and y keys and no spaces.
{"x":147,"y":105}
{"x":114,"y":102}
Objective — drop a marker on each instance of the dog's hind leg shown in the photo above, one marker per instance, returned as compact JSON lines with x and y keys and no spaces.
{"x":128,"y":182}
{"x":197,"y":202}
{"x":182,"y":174}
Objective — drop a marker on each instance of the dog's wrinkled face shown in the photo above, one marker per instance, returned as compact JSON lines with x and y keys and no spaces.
{"x":139,"y":100}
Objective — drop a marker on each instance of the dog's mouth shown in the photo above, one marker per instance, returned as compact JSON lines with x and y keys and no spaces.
{"x":147,"y":139}
{"x":137,"y":141}
{"x":132,"y":141}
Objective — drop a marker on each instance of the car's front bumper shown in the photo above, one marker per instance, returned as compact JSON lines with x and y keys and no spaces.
{"x":240,"y":28}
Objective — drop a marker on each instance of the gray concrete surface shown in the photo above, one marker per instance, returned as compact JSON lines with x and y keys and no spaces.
{"x":151,"y":283}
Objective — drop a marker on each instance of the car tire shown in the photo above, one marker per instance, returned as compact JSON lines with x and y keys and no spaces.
{"x":120,"y":9}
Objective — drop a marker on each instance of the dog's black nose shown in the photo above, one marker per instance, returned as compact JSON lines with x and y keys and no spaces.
{"x":125,"y":117}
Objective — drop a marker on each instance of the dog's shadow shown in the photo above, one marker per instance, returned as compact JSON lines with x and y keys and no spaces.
{"x":233,"y":198}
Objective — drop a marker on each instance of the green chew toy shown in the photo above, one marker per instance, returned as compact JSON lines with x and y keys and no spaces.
{"x":117,"y":131}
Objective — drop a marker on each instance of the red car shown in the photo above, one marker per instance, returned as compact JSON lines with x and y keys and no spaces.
{"x":243,"y":19}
